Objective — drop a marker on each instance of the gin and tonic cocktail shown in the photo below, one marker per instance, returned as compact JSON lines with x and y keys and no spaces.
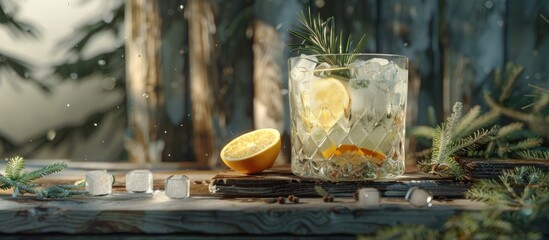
{"x":348,"y":122}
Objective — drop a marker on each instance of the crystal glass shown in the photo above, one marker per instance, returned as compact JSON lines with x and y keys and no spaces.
{"x":348,"y":115}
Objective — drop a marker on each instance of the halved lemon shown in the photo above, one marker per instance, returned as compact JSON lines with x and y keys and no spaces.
{"x":329,"y":102}
{"x":252,"y":152}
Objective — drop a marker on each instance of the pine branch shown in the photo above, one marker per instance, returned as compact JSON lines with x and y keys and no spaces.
{"x":534,"y":154}
{"x":14,"y":167}
{"x":517,"y":188}
{"x":320,"y":37}
{"x":21,"y":181}
{"x":44,"y":171}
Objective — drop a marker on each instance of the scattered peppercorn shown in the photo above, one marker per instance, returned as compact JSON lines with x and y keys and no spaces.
{"x":328,"y":198}
{"x":281,"y":200}
{"x":295,"y":200}
{"x":355,"y":195}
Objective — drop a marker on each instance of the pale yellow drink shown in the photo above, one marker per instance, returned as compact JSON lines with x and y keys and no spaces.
{"x":348,"y":122}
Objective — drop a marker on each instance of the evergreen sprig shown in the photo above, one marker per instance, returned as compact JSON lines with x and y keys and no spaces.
{"x":520,"y":188}
{"x":534,"y":154}
{"x":319,"y":37}
{"x":514,"y":202}
{"x":21,"y":181}
{"x":457,"y":135}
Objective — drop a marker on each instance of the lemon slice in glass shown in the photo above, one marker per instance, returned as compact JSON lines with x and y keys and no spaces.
{"x":329,"y":102}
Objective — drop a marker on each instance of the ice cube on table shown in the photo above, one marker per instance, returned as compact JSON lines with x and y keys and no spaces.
{"x":303,"y":68}
{"x":177,"y":186}
{"x":99,"y":182}
{"x":139,"y":181}
{"x":419,"y":197}
{"x":369,"y":197}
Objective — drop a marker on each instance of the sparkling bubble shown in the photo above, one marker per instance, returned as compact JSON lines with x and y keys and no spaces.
{"x":165,"y":132}
{"x":101,"y":62}
{"x":95,"y":124}
{"x":51,"y":135}
{"x":500,"y":23}
{"x":68,"y":105}
{"x":145,"y":95}
{"x":181,"y":7}
{"x":108,"y":83}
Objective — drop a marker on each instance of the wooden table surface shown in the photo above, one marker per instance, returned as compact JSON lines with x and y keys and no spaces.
{"x":206,"y":214}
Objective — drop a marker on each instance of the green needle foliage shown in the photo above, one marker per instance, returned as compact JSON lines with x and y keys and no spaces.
{"x":459,"y":134}
{"x":21,"y":181}
{"x":320,"y":37}
{"x":515,"y":202}
{"x":466,"y":136}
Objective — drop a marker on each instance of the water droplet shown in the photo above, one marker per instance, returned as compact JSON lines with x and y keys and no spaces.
{"x":165,"y":132}
{"x":279,"y":26}
{"x":181,"y":52}
{"x":68,"y":105}
{"x":405,"y":44}
{"x":50,"y":135}
{"x":74,"y":76}
{"x":145,"y":95}
{"x":169,"y":154}
{"x":181,"y":7}
{"x":101,"y":62}
{"x":489,"y":4}
{"x":284,"y":91}
{"x":102,"y":141}
{"x":95,"y":124}
{"x":500,"y":23}
{"x":26,"y":75}
{"x":206,"y":154}
{"x":181,"y":125}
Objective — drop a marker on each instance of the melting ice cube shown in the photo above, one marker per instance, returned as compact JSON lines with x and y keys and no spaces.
{"x":369,"y":197}
{"x":139,"y":181}
{"x":303,"y":68}
{"x":419,"y":197}
{"x":177,"y":186}
{"x":99,"y":182}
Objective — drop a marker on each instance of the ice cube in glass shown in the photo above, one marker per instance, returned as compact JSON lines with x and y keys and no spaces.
{"x":139,"y":181}
{"x":419,"y":197}
{"x":369,"y":197}
{"x":177,"y":186}
{"x":99,"y":182}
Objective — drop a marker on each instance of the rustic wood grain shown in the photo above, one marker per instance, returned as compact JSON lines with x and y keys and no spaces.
{"x":280,"y":181}
{"x":491,"y":168}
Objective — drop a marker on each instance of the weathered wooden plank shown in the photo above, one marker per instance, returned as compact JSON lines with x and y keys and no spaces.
{"x":130,"y":213}
{"x":491,"y":168}
{"x":281,"y":182}
{"x":472,"y":38}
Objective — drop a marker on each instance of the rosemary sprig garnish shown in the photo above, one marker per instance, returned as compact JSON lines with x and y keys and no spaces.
{"x":319,"y":37}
